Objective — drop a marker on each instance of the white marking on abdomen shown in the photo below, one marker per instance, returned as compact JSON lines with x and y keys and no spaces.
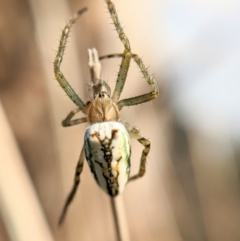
{"x":107,"y":151}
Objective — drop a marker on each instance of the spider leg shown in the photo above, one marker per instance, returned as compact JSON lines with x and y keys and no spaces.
{"x":141,"y":98}
{"x":58,"y":60}
{"x":71,"y":195}
{"x":126,"y":54}
{"x":134,"y":132}
{"x":68,"y":120}
{"x":151,"y":81}
{"x":109,"y":56}
{"x":105,"y":84}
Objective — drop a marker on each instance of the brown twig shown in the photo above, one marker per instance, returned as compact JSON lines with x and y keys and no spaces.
{"x":120,"y":223}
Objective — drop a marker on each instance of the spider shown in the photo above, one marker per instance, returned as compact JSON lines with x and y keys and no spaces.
{"x":107,"y":139}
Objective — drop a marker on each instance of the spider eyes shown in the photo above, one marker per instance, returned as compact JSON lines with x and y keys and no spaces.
{"x":102,"y":94}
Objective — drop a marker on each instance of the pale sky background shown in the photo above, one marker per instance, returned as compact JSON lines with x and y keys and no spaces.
{"x":202,"y":39}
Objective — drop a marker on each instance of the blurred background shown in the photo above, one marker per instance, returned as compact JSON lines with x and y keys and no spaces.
{"x":191,"y":190}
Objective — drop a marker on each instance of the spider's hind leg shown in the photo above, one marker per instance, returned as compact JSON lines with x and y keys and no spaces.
{"x":76,"y":182}
{"x":134,"y":132}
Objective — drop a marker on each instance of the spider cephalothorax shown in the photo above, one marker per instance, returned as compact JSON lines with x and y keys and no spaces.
{"x":102,"y":108}
{"x":106,"y":141}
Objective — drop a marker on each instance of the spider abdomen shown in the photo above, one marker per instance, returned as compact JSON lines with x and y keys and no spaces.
{"x":107,"y":150}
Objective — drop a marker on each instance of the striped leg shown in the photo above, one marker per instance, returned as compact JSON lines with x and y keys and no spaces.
{"x":135,"y":133}
{"x":68,"y":120}
{"x":142,"y":168}
{"x":71,"y":195}
{"x":58,"y":60}
{"x":122,"y":74}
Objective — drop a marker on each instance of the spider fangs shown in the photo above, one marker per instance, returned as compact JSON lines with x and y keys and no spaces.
{"x":106,"y":142}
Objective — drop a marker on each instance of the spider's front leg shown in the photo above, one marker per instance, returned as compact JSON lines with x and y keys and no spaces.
{"x":127,"y":55}
{"x":58,"y":60}
{"x":141,"y":98}
{"x":135,"y":133}
{"x":150,"y":80}
{"x":76,"y":182}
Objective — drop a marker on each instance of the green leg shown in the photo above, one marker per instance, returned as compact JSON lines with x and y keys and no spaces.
{"x":122,"y":74}
{"x":142,"y":98}
{"x":58,"y":60}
